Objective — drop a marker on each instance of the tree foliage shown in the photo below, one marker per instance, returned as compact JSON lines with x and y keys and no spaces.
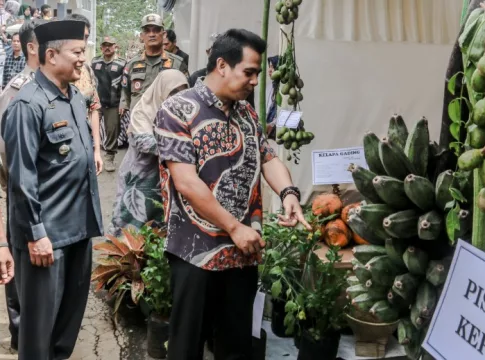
{"x":122,"y":19}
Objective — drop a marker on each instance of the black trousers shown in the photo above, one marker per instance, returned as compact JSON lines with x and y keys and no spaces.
{"x":207,"y":303}
{"x":13,"y":310}
{"x":53,"y":301}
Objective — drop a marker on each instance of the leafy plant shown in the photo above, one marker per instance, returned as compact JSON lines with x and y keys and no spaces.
{"x":293,"y":273}
{"x":317,"y":308}
{"x":119,"y":266}
{"x":156,"y":274}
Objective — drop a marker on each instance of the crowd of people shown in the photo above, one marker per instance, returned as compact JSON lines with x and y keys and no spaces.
{"x":195,"y":146}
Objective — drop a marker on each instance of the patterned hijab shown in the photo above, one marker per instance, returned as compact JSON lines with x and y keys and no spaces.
{"x":145,"y":111}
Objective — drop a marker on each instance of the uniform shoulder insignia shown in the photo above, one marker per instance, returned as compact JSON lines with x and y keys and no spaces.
{"x":177,"y":62}
{"x":19,"y":81}
{"x":120,"y":62}
{"x":174,"y":58}
{"x":134,"y":60}
{"x":26,"y":94}
{"x":96,"y":59}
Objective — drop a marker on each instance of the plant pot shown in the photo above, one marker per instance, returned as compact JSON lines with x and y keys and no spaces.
{"x":278,"y":319}
{"x":157,"y":336}
{"x":297,"y":340}
{"x":259,"y":347}
{"x":371,"y":338}
{"x":323,"y":349}
{"x":145,"y":308}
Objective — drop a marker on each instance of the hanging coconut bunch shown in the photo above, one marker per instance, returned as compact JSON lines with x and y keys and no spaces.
{"x":287,"y":11}
{"x":400,"y":275}
{"x":294,"y":139}
{"x":288,"y":75}
{"x":290,"y":83}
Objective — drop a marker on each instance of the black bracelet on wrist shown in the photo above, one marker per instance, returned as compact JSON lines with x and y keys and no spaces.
{"x":290,"y":190}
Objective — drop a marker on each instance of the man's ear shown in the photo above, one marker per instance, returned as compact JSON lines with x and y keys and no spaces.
{"x":221,"y":66}
{"x":31,"y":49}
{"x":49,"y":56}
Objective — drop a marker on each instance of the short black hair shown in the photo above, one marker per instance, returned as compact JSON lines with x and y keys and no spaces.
{"x":27,"y":34}
{"x":230,"y":45}
{"x":44,"y":9}
{"x":171,"y":36}
{"x":56,"y":44}
{"x":79,"y":17}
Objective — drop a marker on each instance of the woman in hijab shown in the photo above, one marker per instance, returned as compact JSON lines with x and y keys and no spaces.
{"x":138,"y":199}
{"x":25,"y":12}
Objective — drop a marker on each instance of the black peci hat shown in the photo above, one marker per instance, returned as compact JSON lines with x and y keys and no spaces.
{"x":60,"y":30}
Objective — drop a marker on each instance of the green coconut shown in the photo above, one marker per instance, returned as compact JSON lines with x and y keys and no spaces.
{"x":479,"y":113}
{"x":478,"y":81}
{"x":477,"y":137}
{"x":481,"y":65}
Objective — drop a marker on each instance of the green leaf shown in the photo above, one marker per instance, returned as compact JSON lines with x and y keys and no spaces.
{"x":455,"y":131}
{"x":290,"y":306}
{"x":456,"y":147}
{"x":276,"y":289}
{"x":276,"y":271}
{"x":457,"y":195}
{"x":454,"y":110}
{"x":450,"y":205}
{"x":279,"y":99}
{"x":452,"y":224}
{"x":452,"y":84}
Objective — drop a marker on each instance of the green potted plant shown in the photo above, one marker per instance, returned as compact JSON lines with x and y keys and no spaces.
{"x":317,"y":308}
{"x":281,"y":269}
{"x":157,"y":294}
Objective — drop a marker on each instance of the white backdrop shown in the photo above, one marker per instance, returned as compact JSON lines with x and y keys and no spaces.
{"x":350,"y":86}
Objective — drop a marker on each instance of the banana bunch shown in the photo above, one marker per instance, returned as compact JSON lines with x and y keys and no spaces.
{"x":287,"y":11}
{"x":287,"y":74}
{"x":401,"y":274}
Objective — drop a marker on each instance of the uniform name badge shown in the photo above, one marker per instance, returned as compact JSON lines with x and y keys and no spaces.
{"x":114,"y":67}
{"x":97,"y":67}
{"x":64,"y":150}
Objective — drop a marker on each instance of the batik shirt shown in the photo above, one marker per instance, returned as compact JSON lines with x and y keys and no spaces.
{"x":228,"y":153}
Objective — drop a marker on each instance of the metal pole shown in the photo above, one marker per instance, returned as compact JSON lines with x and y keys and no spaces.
{"x":264,"y":67}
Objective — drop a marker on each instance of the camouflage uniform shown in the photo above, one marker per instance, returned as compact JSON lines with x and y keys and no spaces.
{"x":142,"y":70}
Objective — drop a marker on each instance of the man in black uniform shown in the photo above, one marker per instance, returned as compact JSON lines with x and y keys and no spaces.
{"x":54,"y":207}
{"x":170,"y":45}
{"x":108,"y":70}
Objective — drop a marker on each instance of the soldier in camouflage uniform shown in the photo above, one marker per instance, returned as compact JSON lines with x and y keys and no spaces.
{"x":142,"y":70}
{"x":108,"y":70}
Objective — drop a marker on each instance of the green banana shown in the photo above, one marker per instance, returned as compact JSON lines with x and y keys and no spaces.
{"x":417,"y":147}
{"x":371,"y":153}
{"x":397,"y":131}
{"x":394,"y":160}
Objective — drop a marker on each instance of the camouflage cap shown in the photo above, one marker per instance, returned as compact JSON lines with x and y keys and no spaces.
{"x":108,"y":40}
{"x":152,"y":19}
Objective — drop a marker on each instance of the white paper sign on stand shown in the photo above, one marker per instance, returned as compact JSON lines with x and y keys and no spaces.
{"x":457,"y":330}
{"x":258,"y":308}
{"x":289,"y":118}
{"x":331,"y":166}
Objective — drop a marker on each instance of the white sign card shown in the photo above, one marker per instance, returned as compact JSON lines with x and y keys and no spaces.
{"x":331,"y":166}
{"x":457,"y":330}
{"x":289,"y":118}
{"x":258,"y":309}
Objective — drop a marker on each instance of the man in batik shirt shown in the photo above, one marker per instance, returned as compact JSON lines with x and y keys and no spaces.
{"x":212,"y":152}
